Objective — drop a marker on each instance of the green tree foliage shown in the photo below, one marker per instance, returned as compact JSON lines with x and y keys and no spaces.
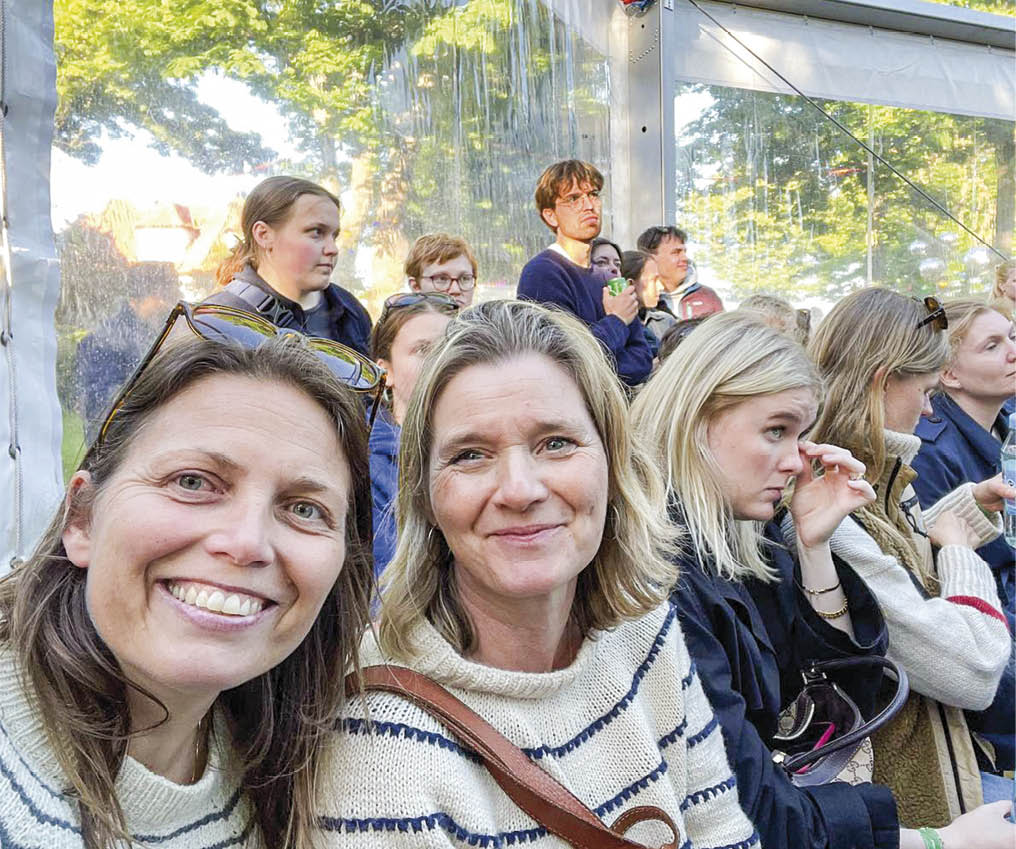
{"x":779,"y":195}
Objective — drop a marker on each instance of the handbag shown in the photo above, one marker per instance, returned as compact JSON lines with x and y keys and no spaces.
{"x":822,"y":733}
{"x":535,"y":791}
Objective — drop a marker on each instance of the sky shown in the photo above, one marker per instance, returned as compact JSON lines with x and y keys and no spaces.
{"x":130,"y":169}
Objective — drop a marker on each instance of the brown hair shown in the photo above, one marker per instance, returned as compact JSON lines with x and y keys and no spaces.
{"x":561,"y":176}
{"x":271,"y":201}
{"x":436,"y":248}
{"x":278,"y":721}
{"x":384,"y":333}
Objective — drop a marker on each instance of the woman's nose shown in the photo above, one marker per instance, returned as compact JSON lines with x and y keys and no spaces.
{"x":244,"y":535}
{"x":519,"y":484}
{"x":792,"y":464}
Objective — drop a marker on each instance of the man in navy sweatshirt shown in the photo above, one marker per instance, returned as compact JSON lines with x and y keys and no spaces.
{"x":569,"y":203}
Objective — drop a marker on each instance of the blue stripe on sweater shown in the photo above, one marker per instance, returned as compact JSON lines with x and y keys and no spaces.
{"x":442,"y":820}
{"x":707,"y":793}
{"x":43,"y":818}
{"x":420,"y":735}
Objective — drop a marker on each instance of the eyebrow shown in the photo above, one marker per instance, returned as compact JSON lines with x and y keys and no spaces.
{"x":304,"y":483}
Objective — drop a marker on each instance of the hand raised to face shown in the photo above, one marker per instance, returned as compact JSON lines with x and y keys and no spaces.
{"x":821,"y":502}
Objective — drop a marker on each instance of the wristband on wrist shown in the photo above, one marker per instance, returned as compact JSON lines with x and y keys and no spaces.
{"x":931,"y":838}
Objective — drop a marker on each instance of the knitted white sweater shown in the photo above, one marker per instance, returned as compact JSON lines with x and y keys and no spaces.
{"x":626,"y":724}
{"x":954,"y":647}
{"x":35,"y":813}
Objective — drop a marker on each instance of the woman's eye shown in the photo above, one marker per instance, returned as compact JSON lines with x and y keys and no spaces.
{"x":308,"y":511}
{"x":466,"y":456}
{"x":558,"y":443}
{"x":190,"y":482}
{"x":776,"y":432}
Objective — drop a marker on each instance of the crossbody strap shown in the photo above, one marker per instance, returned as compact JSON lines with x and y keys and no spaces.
{"x":534,"y":790}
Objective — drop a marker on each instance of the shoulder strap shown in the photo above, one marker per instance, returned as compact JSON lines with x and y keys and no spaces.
{"x":537,"y":793}
{"x":262,"y":303}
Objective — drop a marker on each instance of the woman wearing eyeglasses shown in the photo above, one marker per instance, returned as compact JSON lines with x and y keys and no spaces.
{"x":399,"y":342}
{"x":172,"y":652}
{"x":880,"y":354}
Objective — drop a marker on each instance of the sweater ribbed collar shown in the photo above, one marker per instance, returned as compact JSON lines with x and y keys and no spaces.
{"x":437,"y":659}
{"x":902,"y":445}
{"x":149,"y":801}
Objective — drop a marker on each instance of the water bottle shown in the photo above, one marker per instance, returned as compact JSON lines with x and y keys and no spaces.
{"x":1009,"y":476}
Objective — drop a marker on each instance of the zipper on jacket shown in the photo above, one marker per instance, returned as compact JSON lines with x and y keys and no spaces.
{"x":952,"y":756}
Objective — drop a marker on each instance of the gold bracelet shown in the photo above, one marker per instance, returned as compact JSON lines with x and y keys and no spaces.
{"x":835,"y":586}
{"x":833,"y":614}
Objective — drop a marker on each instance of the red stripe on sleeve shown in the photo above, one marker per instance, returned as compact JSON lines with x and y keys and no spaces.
{"x":979,"y":604}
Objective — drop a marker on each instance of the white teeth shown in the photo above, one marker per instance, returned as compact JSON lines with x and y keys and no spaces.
{"x":216,"y":600}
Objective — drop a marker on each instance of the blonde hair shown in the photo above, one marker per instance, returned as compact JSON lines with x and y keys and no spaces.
{"x":738,"y":357}
{"x":630,"y":573}
{"x":961,"y":314}
{"x":1002,"y":272}
{"x":868,"y":336}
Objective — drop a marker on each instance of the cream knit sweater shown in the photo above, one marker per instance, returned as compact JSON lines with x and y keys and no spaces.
{"x":954,"y":647}
{"x":35,"y":813}
{"x":626,"y":724}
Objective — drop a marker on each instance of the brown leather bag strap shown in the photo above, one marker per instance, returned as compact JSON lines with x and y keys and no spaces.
{"x":531,"y":788}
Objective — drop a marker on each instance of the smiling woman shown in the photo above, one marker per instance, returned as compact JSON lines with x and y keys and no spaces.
{"x":530,"y":582}
{"x":173,"y":649}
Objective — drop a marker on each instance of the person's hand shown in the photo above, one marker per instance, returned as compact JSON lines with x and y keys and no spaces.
{"x":624,"y":305}
{"x":990,"y":494}
{"x":982,"y":828}
{"x":950,"y":529}
{"x":819,"y":504}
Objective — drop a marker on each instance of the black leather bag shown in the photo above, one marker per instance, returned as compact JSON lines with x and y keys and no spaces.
{"x":822,"y":735}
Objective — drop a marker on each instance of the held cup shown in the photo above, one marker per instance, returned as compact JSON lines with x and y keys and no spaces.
{"x":616,"y":285}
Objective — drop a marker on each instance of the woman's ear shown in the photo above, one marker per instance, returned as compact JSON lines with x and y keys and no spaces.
{"x":947,"y":380}
{"x":387,"y":366}
{"x":880,"y":378}
{"x":77,"y":532}
{"x":263,"y":235}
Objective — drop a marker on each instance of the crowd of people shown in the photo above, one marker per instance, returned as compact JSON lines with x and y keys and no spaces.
{"x":607,"y":526}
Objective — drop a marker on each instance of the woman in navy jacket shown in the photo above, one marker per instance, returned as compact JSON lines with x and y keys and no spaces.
{"x":726,"y":413}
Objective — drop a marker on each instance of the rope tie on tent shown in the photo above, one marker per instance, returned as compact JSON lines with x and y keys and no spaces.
{"x":6,"y":318}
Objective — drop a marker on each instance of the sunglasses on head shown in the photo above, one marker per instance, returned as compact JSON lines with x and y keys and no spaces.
{"x":445,"y":303}
{"x":936,"y":316}
{"x":216,"y":323}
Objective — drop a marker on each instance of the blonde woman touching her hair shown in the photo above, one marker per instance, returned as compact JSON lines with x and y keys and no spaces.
{"x":880,"y":354}
{"x":726,"y":414}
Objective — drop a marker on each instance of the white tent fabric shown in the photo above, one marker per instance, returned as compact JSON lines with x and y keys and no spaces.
{"x":841,"y":61}
{"x":30,"y":428}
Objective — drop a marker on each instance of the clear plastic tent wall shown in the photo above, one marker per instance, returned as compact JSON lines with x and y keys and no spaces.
{"x":428,"y":115}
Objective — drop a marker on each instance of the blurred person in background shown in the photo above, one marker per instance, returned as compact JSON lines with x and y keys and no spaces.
{"x":409,"y":325}
{"x":281,"y":268}
{"x":568,"y":201}
{"x":108,"y":355}
{"x":605,"y":258}
{"x":444,"y":264}
{"x":684,"y":295}
{"x":961,"y":442}
{"x":780,"y":315}
{"x":1003,"y":293}
{"x":677,"y":334}
{"x":639,"y":269}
